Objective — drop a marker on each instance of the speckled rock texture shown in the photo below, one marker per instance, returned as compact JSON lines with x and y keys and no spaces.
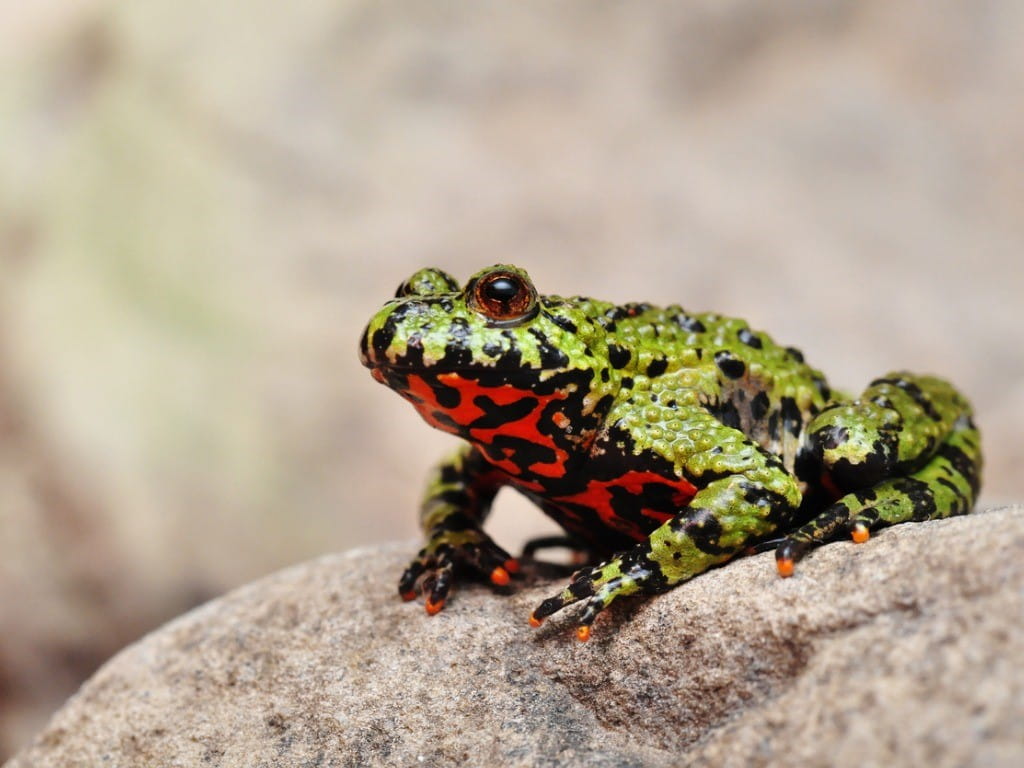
{"x":904,"y":651}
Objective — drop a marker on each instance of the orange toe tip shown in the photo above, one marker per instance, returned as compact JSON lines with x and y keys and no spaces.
{"x":410,"y":595}
{"x":512,"y":565}
{"x":583,"y":633}
{"x":499,"y":576}
{"x":433,"y":608}
{"x":860,"y":534}
{"x":785,"y":566}
{"x":535,"y":622}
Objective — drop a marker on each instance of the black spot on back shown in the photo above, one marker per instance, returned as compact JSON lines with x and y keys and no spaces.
{"x":457,"y":352}
{"x":731,"y":366}
{"x":618,"y":356}
{"x":657,"y":367}
{"x":550,"y":356}
{"x":832,"y":437}
{"x":688,"y":323}
{"x":749,"y":338}
{"x":563,"y":322}
{"x":915,"y":393}
{"x":514,"y":356}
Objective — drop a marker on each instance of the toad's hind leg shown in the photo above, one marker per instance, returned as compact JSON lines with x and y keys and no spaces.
{"x":720,"y":521}
{"x":907,"y":450}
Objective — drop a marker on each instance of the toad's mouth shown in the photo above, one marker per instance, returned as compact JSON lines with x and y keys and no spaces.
{"x":508,"y":369}
{"x":405,"y":378}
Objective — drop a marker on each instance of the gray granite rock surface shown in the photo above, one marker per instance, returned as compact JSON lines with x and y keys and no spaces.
{"x":903,"y":651}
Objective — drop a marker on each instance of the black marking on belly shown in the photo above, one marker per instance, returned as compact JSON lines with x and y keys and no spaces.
{"x":519,"y":451}
{"x":447,"y":397}
{"x":496,"y":415}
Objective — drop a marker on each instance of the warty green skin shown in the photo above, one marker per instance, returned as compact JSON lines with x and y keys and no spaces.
{"x":664,"y":441}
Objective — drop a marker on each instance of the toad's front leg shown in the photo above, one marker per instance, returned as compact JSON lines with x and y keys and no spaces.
{"x":722,"y":519}
{"x":458,"y":499}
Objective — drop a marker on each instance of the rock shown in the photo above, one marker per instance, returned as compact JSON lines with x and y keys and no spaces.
{"x":902,"y":651}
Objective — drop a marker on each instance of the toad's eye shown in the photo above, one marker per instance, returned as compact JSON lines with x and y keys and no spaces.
{"x":503,"y":297}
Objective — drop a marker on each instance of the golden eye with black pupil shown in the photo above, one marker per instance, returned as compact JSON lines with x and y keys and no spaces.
{"x":503,"y":297}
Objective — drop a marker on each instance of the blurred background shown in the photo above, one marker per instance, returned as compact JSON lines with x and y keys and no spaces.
{"x":201,"y":204}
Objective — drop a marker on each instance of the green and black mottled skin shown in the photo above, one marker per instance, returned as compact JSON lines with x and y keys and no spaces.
{"x":664,"y":442}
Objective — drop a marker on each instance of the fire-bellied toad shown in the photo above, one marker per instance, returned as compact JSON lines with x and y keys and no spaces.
{"x":664,"y":442}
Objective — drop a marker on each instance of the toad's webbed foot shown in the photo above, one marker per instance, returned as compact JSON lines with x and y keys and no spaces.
{"x":435,"y":565}
{"x":630,"y":572}
{"x":596,"y":587}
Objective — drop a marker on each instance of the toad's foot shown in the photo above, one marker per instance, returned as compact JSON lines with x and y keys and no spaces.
{"x":598,"y":586}
{"x":435,"y":565}
{"x":945,"y":485}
